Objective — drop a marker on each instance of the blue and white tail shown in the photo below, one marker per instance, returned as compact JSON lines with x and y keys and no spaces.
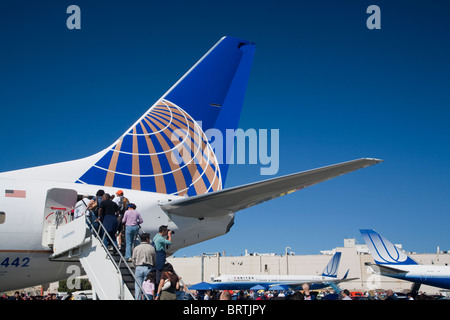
{"x":383,"y":251}
{"x":331,"y":270}
{"x":166,"y":150}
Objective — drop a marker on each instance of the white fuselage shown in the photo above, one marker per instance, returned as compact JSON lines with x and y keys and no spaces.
{"x":24,"y":254}
{"x":245,"y":282}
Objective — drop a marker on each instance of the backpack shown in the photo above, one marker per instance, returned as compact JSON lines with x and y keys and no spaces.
{"x":123,"y":204}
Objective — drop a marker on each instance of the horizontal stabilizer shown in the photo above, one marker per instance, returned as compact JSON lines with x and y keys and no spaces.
{"x":237,"y":198}
{"x":386,"y":270}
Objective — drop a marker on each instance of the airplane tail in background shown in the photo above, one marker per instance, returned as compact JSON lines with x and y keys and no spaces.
{"x":345,"y":275}
{"x":166,"y":150}
{"x":331,"y":270}
{"x":383,"y":251}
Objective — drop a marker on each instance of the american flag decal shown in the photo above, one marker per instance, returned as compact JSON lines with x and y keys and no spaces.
{"x":15,"y":194}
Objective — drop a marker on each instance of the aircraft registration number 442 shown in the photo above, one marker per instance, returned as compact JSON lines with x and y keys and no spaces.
{"x":15,"y":262}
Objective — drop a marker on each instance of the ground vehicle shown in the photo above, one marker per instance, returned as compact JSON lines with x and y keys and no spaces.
{"x":356,"y":294}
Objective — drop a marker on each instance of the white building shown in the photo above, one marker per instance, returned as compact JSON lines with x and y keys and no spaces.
{"x":354,"y":257}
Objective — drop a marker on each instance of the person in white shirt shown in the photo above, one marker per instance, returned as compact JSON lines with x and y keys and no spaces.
{"x":80,"y":207}
{"x":346,"y":295}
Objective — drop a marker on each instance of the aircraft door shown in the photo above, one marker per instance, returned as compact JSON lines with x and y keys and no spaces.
{"x":58,"y":211}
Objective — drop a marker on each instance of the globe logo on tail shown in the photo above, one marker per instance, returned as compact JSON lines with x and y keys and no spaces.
{"x":165,"y":151}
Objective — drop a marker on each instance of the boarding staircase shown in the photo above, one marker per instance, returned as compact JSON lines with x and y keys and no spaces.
{"x":111,"y":276}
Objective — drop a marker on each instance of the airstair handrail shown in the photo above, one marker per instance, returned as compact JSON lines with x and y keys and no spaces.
{"x":60,"y":213}
{"x":186,"y":288}
{"x":140,"y":231}
{"x":121,"y":259}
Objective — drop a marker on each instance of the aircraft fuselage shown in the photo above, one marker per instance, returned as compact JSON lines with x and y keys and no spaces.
{"x":29,"y":207}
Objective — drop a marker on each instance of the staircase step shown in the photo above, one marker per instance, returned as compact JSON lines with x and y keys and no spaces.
{"x":127,"y":278}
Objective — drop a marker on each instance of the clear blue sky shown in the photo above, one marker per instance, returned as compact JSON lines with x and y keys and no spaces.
{"x":336,"y":90}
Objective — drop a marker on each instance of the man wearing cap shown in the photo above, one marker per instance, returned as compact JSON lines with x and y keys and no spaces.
{"x":144,"y":258}
{"x":119,"y":199}
{"x":160,"y":243}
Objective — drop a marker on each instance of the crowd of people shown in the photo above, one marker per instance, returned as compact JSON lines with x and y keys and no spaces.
{"x":48,"y":297}
{"x":22,"y":296}
{"x":110,"y":211}
{"x":183,"y":294}
{"x":306,"y":294}
{"x":155,"y":278}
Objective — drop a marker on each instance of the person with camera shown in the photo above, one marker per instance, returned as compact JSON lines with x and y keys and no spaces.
{"x":162,"y":239}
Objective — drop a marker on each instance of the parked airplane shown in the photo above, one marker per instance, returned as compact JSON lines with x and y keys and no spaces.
{"x":246,"y":282}
{"x":187,"y":194}
{"x":391,"y":261}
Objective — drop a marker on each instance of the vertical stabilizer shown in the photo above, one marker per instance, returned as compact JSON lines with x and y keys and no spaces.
{"x":166,"y":150}
{"x":383,"y":251}
{"x":331,"y":270}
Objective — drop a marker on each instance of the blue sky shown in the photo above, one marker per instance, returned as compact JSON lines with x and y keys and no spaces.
{"x":336,"y":90}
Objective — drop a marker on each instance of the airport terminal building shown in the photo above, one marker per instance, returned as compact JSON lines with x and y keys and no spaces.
{"x":354,"y":257}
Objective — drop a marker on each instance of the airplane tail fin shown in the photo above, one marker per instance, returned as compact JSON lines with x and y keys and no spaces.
{"x":166,"y":150}
{"x":383,"y":251}
{"x":332,"y":267}
{"x":345,"y":275}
